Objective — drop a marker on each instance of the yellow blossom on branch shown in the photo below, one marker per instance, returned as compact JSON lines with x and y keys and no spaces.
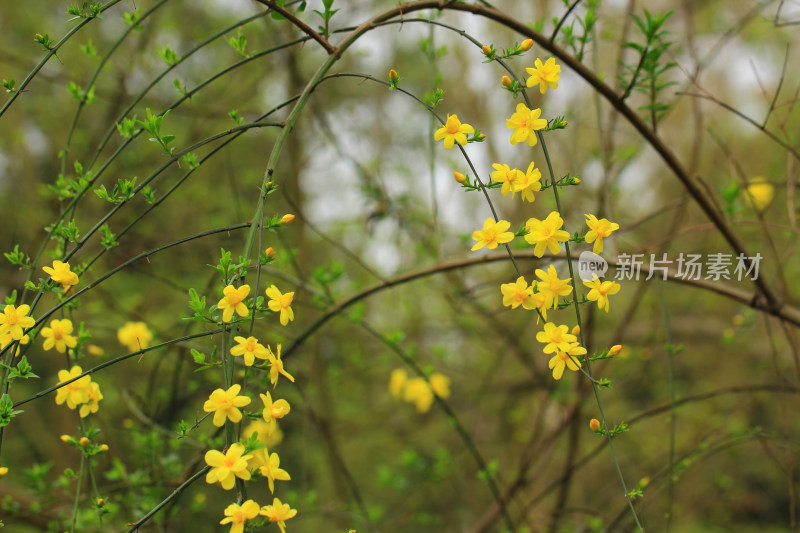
{"x":58,"y":335}
{"x":225,"y":468}
{"x":13,"y":319}
{"x":250,"y":348}
{"x":6,"y":339}
{"x":545,"y":75}
{"x":599,"y":230}
{"x":601,"y":290}
{"x":93,"y":404}
{"x":507,"y":176}
{"x":278,"y":512}
{"x":225,"y":404}
{"x":269,"y":467}
{"x":568,"y":358}
{"x":233,"y":300}
{"x":555,"y":338}
{"x":551,"y":286}
{"x":237,"y":515}
{"x":281,"y":302}
{"x":528,"y":183}
{"x":453,"y":132}
{"x":134,"y":336}
{"x":492,"y":234}
{"x":276,"y":366}
{"x":759,"y":193}
{"x":525,"y":122}
{"x":273,"y":410}
{"x":74,"y":393}
{"x":546,"y":234}
{"x":517,"y":293}
{"x":61,"y":273}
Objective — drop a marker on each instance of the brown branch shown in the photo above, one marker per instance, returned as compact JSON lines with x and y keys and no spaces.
{"x":302,"y":26}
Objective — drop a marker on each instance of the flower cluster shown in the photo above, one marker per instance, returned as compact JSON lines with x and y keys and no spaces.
{"x":544,"y":235}
{"x":419,"y":391}
{"x":240,"y":461}
{"x":82,"y":394}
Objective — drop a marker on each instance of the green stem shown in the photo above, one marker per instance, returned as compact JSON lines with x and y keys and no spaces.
{"x":578,"y":318}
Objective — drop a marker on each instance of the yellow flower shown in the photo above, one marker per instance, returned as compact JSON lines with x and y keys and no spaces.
{"x":281,"y":302}
{"x":555,"y":338}
{"x":93,"y":404}
{"x":544,"y":74}
{"x":60,"y":273}
{"x":226,"y":468}
{"x":759,"y":193}
{"x":6,"y":339}
{"x":541,"y":301}
{"x":276,"y":367}
{"x":567,"y":358}
{"x":594,"y":424}
{"x":134,"y":336}
{"x":76,"y":392}
{"x":262,"y":429}
{"x":236,"y":515}
{"x":225,"y":404}
{"x":518,"y":293}
{"x":269,"y":467}
{"x":278,"y":512}
{"x":551,"y":286}
{"x":232,"y":300}
{"x":452,"y":132}
{"x":528,"y":183}
{"x":507,"y":176}
{"x":250,"y":348}
{"x":546,"y":234}
{"x":601,"y":290}
{"x":14,"y":319}
{"x":419,"y":392}
{"x":440,"y":385}
{"x":397,"y":382}
{"x":525,"y":122}
{"x":58,"y":335}
{"x":599,"y":230}
{"x":492,"y":234}
{"x":3,"y":471}
{"x":273,"y":411}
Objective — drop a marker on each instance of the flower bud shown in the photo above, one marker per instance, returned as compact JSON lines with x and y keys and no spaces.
{"x":268,"y":185}
{"x":614,"y":350}
{"x":481,"y":136}
{"x":505,"y":81}
{"x":65,"y":438}
{"x":486,"y":50}
{"x":576,"y":330}
{"x":526,"y":45}
{"x":286,"y":219}
{"x":104,"y":447}
{"x":37,"y":37}
{"x":84,"y":441}
{"x":459,"y":177}
{"x":100,"y":502}
{"x":3,"y":471}
{"x":594,"y":424}
{"x":270,"y":252}
{"x":393,"y":77}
